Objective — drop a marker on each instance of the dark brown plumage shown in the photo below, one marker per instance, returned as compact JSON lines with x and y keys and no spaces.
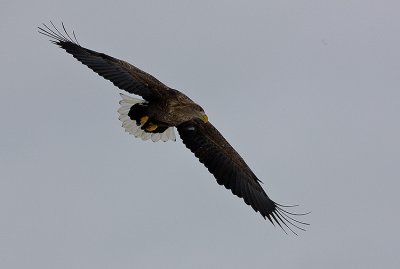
{"x":165,"y":108}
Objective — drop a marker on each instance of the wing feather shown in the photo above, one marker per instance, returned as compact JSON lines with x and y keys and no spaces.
{"x":122,"y":74}
{"x":230,"y":170}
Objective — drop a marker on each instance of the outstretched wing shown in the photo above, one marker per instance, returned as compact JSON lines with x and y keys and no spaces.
{"x":230,"y":170}
{"x":122,"y":74}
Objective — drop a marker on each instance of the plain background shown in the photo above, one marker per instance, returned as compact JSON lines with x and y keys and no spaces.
{"x":308,"y":92}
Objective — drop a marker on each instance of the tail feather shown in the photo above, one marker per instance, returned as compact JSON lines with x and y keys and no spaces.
{"x":132,"y":106}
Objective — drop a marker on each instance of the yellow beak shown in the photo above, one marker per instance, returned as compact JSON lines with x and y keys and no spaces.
{"x":205,"y":118}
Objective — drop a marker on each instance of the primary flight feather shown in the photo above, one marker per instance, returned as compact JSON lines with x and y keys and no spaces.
{"x":164,"y":109}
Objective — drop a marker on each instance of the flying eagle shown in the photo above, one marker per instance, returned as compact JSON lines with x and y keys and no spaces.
{"x":164,"y":109}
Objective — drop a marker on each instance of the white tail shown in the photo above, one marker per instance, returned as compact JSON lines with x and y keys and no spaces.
{"x":131,"y":127}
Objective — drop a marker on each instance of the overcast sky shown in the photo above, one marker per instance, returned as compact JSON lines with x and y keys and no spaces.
{"x":308,"y":92}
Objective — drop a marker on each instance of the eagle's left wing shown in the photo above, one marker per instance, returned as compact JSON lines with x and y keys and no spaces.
{"x":230,"y":170}
{"x":122,"y":74}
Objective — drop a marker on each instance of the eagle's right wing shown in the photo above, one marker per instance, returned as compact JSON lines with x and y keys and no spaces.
{"x":122,"y":74}
{"x":230,"y":170}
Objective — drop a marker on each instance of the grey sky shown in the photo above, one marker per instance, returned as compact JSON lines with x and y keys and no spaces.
{"x":308,"y":93}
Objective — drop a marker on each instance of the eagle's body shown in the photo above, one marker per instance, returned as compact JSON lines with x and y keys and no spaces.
{"x":164,"y":109}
